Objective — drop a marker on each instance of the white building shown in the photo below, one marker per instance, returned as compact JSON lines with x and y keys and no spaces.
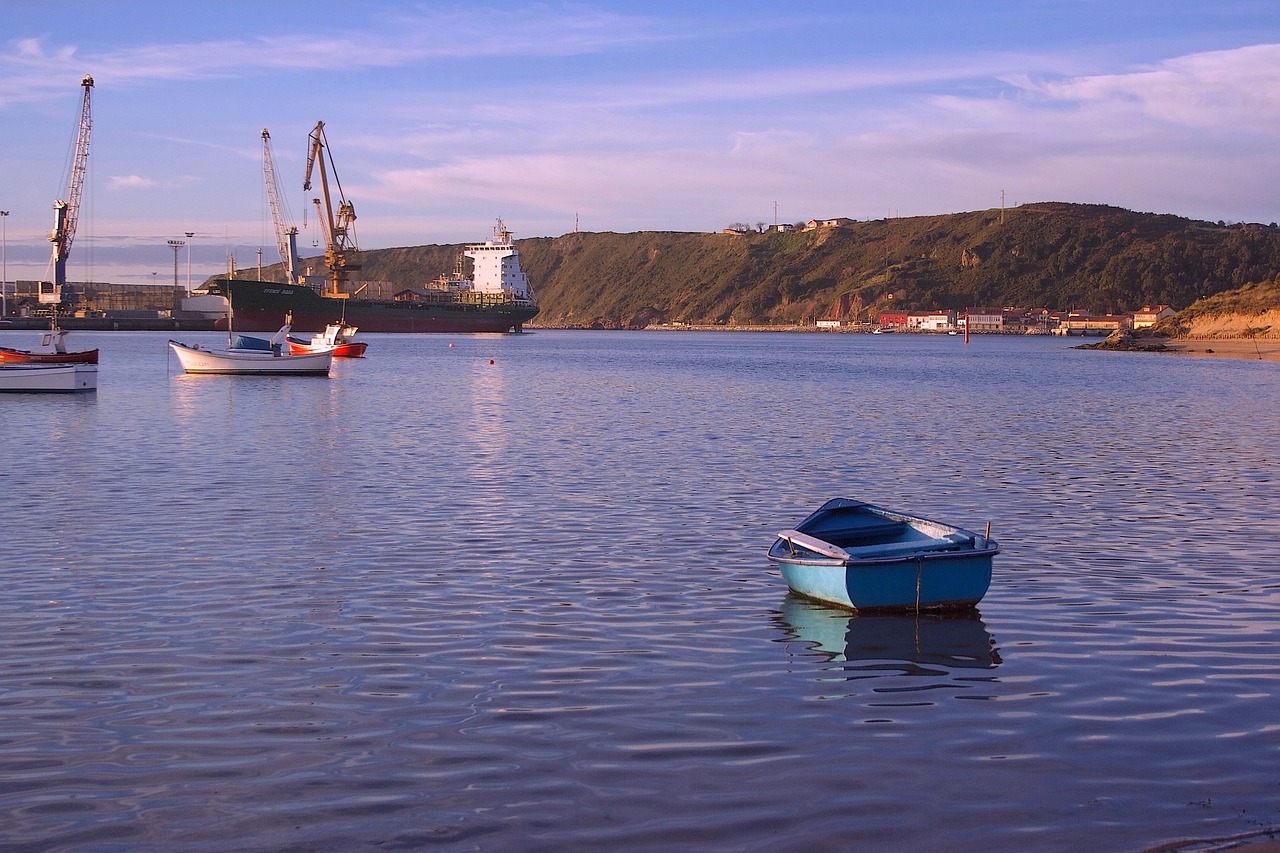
{"x":932,"y":321}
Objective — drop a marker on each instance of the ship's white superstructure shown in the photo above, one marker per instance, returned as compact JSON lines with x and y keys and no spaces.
{"x":496,"y":267}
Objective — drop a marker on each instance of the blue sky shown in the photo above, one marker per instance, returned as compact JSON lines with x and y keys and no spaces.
{"x":621,"y":117}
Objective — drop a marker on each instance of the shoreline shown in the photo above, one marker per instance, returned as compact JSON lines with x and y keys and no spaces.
{"x":1255,"y":349}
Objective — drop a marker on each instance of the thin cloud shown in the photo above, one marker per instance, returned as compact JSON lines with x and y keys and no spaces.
{"x":36,"y":68}
{"x":1199,"y":90}
{"x":126,"y":182}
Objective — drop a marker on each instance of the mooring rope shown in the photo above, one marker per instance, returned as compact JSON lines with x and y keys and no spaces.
{"x":919,"y":572}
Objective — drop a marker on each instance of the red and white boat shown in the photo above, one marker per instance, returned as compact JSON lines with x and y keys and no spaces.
{"x":336,"y":337}
{"x":52,"y":350}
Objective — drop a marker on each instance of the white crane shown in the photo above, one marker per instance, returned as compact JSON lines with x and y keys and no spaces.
{"x":286,"y":234}
{"x":66,"y":213}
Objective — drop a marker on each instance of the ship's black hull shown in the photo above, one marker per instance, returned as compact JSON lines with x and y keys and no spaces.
{"x":263,"y":306}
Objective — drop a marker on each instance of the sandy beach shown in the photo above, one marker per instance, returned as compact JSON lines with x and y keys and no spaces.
{"x":1229,"y":336}
{"x":1267,"y":349}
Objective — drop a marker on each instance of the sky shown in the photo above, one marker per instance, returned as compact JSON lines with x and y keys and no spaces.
{"x":613,"y":116}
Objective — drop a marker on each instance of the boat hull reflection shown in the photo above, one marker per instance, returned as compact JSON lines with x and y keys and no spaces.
{"x":954,"y":641}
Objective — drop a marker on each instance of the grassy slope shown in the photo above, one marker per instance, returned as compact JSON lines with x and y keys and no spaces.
{"x":1246,"y":312}
{"x":1054,"y":255}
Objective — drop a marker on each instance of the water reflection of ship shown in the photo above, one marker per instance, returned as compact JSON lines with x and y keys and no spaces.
{"x":954,"y":641}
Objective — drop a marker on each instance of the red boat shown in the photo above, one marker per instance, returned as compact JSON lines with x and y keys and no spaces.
{"x":52,"y":350}
{"x":336,"y":337}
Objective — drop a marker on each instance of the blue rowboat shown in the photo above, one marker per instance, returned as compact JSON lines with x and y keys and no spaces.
{"x":864,"y":557}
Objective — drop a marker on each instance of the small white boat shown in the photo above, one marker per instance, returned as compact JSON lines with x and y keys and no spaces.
{"x":253,"y":357}
{"x":65,"y":378}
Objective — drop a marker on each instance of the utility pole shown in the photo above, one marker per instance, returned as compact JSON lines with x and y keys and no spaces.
{"x":1001,"y":207}
{"x":189,"y":234}
{"x":4,"y":263}
{"x":176,"y":244}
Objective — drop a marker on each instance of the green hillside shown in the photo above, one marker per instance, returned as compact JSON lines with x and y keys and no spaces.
{"x":1054,"y":255}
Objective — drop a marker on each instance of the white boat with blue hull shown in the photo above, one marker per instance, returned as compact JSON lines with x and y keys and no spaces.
{"x":864,"y":557}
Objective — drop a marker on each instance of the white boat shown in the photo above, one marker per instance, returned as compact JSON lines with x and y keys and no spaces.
{"x":66,"y":378}
{"x":253,"y":357}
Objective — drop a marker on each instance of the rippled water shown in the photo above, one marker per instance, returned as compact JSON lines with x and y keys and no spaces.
{"x":497,"y":592}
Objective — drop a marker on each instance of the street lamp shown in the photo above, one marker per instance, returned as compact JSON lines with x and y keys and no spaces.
{"x":4,"y":262}
{"x":189,"y":234}
{"x":176,"y":244}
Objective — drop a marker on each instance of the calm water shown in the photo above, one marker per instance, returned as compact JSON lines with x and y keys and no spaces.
{"x":435,"y":601}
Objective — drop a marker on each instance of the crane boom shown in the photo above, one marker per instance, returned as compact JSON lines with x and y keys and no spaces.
{"x":286,"y":235}
{"x":68,"y":212}
{"x":339,"y":236}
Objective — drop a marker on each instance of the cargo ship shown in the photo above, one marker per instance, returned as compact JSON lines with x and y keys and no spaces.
{"x":495,"y":298}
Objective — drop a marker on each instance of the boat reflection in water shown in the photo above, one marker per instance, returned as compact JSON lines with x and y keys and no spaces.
{"x":894,"y":643}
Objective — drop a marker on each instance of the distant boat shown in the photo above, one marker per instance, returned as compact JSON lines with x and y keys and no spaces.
{"x":67,"y":378}
{"x":52,"y":350}
{"x":248,"y":356}
{"x":865,"y":557}
{"x":336,"y":336}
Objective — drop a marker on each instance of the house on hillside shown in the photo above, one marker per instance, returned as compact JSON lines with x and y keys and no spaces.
{"x":815,"y":224}
{"x":1149,"y":315}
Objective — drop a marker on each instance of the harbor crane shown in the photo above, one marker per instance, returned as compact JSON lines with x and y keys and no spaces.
{"x":337,"y":224}
{"x":66,"y":213}
{"x":286,"y":234}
